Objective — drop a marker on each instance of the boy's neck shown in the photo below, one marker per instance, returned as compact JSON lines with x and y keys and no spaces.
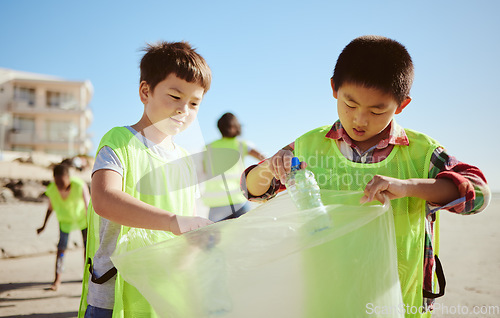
{"x":150,"y":132}
{"x":64,"y":190}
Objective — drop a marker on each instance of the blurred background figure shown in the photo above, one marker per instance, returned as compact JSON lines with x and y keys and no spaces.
{"x":69,"y":198}
{"x":224,"y":160}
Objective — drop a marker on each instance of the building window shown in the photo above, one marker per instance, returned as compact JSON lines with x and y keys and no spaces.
{"x":22,"y":148}
{"x":24,"y":125}
{"x":60,"y":131}
{"x":60,"y":100}
{"x":24,"y":95}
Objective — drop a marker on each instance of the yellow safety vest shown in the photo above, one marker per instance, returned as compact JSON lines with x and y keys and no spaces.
{"x":70,"y":211}
{"x":150,"y":178}
{"x":218,"y":191}
{"x":335,"y":172}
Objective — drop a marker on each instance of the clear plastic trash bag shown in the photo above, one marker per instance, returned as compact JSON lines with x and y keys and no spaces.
{"x":274,"y":261}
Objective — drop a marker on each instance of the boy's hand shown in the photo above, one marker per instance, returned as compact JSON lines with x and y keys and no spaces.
{"x":277,"y":167}
{"x":381,"y":186}
{"x":182,"y":224}
{"x":438,"y":191}
{"x":280,"y":164}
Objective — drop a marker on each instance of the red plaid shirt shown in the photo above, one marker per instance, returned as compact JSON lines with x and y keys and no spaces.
{"x":469,"y":180}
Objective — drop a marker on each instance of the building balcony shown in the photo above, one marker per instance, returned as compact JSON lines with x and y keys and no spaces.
{"x":29,"y":138}
{"x":23,"y":107}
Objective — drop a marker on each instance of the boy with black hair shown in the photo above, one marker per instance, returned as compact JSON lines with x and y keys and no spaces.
{"x":69,"y":198}
{"x":367,"y":150}
{"x":141,"y":178}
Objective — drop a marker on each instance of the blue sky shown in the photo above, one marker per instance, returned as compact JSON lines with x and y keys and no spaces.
{"x":271,"y":62}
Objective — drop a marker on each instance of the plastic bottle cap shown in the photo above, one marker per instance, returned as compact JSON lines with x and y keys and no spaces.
{"x":295,"y":163}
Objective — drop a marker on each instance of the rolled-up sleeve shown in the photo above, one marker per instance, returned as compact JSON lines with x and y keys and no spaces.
{"x":470,"y":181}
{"x":275,"y":188}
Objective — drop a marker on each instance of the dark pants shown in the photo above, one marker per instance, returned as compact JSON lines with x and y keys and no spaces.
{"x":63,"y":245}
{"x":95,"y":312}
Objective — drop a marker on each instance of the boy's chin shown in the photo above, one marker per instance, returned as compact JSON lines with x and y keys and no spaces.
{"x":358,"y":138}
{"x":170,"y":130}
{"x":363,"y":141}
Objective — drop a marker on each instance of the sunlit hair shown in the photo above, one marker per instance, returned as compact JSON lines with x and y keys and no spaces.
{"x":229,"y":126}
{"x":164,"y":58}
{"x":376,"y":62}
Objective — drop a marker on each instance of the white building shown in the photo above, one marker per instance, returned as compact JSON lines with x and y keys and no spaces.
{"x":40,"y":113}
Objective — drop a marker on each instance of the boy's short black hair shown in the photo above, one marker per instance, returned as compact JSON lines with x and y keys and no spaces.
{"x":376,"y":62}
{"x":61,"y":170}
{"x":164,"y":58}
{"x":229,"y":126}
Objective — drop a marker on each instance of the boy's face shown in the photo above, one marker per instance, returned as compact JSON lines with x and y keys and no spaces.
{"x":173,"y":105}
{"x":365,"y":113}
{"x":234,"y":128}
{"x":62,"y":182}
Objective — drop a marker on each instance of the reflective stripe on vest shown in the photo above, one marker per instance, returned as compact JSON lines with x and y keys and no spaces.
{"x":224,"y":190}
{"x":333,"y":171}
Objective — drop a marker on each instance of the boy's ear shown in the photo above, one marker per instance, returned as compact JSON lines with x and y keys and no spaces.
{"x":144,"y":92}
{"x":333,"y":88}
{"x":403,"y":105}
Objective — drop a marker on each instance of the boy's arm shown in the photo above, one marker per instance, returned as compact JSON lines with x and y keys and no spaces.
{"x":260,"y":178}
{"x":256,"y":154}
{"x":438,"y":191}
{"x":469,"y":180}
{"x":110,"y":202}
{"x":47,"y":215}
{"x":469,"y":184}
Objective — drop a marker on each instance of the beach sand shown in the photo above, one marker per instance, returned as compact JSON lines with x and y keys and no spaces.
{"x":470,"y":253}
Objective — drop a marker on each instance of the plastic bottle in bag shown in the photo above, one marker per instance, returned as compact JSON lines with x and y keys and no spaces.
{"x":207,"y":279}
{"x":305,"y":193}
{"x":214,"y":298}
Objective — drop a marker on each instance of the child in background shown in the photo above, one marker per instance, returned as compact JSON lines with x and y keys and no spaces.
{"x":367,"y":150}
{"x":141,"y":178}
{"x":69,"y":198}
{"x":222,"y":193}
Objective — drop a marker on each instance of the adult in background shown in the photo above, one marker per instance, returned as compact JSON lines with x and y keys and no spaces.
{"x":222,"y":193}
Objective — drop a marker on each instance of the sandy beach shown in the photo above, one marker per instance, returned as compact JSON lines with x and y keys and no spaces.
{"x":470,"y":254}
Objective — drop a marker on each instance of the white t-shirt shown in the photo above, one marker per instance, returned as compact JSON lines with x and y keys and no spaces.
{"x":102,"y":295}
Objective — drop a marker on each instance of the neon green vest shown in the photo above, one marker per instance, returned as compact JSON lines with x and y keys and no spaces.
{"x":216,"y":194}
{"x":148,"y":177}
{"x":70,"y":212}
{"x":333,"y":171}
